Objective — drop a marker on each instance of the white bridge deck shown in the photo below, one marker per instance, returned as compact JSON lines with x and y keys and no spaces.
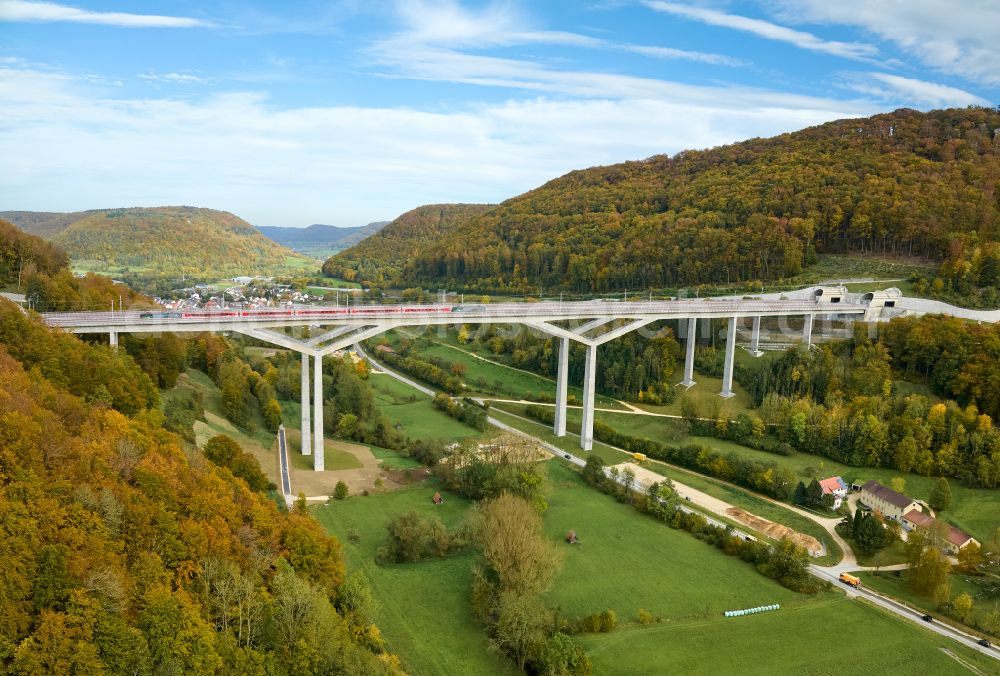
{"x":365,"y":315}
{"x":591,"y":323}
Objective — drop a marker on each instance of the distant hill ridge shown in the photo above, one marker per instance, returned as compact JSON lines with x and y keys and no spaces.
{"x":902,"y":183}
{"x":171,"y":240}
{"x":320,"y":236}
{"x":380,"y":258}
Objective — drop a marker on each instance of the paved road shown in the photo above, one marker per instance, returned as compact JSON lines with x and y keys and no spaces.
{"x":286,"y":482}
{"x":893,"y":606}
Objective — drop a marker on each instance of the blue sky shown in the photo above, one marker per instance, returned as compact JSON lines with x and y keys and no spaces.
{"x":299,"y":112}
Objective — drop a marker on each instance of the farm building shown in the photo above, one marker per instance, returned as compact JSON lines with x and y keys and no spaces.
{"x":891,"y":504}
{"x":956,"y":538}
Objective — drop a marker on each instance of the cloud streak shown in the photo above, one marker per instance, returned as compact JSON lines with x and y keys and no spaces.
{"x":911,"y":90}
{"x":766,"y":30}
{"x":24,"y":10}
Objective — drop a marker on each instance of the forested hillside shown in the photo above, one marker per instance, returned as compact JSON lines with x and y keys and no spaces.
{"x":379,"y":259}
{"x":37,"y":268}
{"x":318,"y":237}
{"x":23,"y":255}
{"x":45,"y":224}
{"x":899,"y":184}
{"x":165,"y":240}
{"x":122,"y":553}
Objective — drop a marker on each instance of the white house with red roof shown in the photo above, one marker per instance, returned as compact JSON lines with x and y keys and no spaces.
{"x":836,"y":487}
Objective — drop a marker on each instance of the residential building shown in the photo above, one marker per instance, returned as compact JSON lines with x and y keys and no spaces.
{"x":889,"y":503}
{"x":955,"y":538}
{"x":836,"y":487}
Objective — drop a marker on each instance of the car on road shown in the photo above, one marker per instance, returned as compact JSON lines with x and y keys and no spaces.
{"x":927,"y":618}
{"x":983,"y":642}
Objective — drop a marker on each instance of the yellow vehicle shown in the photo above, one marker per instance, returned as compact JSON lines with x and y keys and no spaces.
{"x":847,"y":578}
{"x":639,"y":457}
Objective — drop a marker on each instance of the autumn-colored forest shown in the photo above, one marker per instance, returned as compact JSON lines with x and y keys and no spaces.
{"x":178,"y":241}
{"x":125,"y":551}
{"x":379,"y":258}
{"x":899,"y":184}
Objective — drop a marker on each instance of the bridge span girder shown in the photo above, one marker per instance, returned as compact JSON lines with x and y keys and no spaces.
{"x":582,"y":324}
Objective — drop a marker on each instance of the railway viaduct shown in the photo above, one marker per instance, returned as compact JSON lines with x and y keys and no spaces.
{"x":591,"y":323}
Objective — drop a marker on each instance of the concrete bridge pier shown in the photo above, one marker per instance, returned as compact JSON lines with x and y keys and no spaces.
{"x":559,"y":428}
{"x":727,"y":372}
{"x":692,"y":330}
{"x":755,"y":338}
{"x":807,"y":329}
{"x":113,"y":339}
{"x":589,"y":383}
{"x":306,"y":444}
{"x":318,"y":447}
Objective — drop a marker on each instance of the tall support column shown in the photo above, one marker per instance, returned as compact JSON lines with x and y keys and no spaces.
{"x":561,"y":388}
{"x":306,"y":444}
{"x":755,"y":338}
{"x":807,"y":329}
{"x":727,"y":373}
{"x":318,"y":448}
{"x":113,"y":339}
{"x":692,"y":331}
{"x":589,"y":381}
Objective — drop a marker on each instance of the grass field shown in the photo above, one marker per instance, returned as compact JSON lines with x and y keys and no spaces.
{"x":832,"y":267}
{"x":628,"y":561}
{"x":835,"y":637}
{"x":415,"y":412}
{"x":393,"y":460}
{"x":424,"y":610}
{"x":628,"y":568}
{"x":491,"y":379}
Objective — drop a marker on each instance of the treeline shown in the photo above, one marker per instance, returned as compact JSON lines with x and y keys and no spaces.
{"x":839,"y":401}
{"x":463,"y":411}
{"x":23,"y":256}
{"x":902,"y":183}
{"x":970,"y":277}
{"x":768,"y":478}
{"x":632,"y":367}
{"x":125,"y":554}
{"x":426,"y":371}
{"x":95,"y":373}
{"x":958,"y":359}
{"x":786,"y":562}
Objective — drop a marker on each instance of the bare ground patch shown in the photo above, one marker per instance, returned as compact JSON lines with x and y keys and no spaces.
{"x":775,"y":531}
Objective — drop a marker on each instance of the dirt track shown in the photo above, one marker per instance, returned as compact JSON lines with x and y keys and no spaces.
{"x":775,"y":531}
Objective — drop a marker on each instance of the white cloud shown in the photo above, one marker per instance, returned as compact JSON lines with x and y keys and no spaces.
{"x":69,"y":147}
{"x":915,"y":92}
{"x":444,"y":24}
{"x":175,"y":78}
{"x":766,"y":29}
{"x":25,"y":10}
{"x":446,"y":65}
{"x":671,"y":53}
{"x":960,"y":38}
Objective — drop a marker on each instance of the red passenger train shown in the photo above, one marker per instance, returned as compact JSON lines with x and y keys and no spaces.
{"x":320,"y":312}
